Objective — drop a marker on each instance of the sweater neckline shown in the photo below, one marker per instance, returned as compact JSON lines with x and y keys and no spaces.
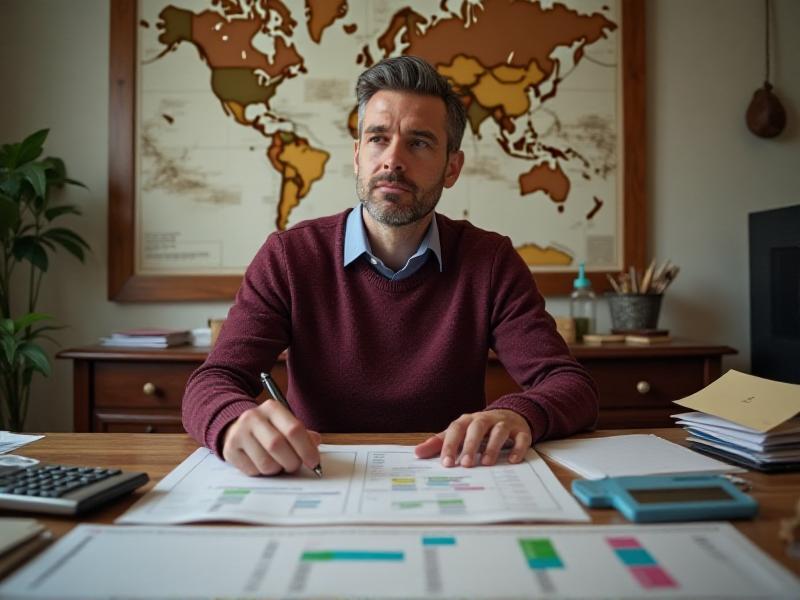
{"x":362,"y":268}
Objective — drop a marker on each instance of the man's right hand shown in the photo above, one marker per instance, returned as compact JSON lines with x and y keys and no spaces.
{"x":268,"y":439}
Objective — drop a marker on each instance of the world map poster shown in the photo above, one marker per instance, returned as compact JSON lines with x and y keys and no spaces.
{"x":245,"y":121}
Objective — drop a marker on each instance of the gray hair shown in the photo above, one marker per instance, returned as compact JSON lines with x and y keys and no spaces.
{"x":412,"y":74}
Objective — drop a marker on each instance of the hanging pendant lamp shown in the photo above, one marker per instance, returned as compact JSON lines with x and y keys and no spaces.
{"x":766,"y":116}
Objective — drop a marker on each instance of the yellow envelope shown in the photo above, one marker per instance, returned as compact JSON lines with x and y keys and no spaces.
{"x":755,"y":402}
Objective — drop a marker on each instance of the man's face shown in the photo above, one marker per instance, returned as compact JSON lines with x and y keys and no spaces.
{"x":401,"y":159}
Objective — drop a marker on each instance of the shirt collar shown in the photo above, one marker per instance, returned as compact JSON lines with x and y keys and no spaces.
{"x":356,"y":242}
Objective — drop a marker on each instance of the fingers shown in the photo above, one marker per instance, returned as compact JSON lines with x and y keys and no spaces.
{"x":484,"y":433}
{"x":522,"y":442}
{"x":268,"y":439}
{"x":453,"y":438}
{"x":294,"y":446}
{"x":430,"y":447}
{"x":497,"y":439}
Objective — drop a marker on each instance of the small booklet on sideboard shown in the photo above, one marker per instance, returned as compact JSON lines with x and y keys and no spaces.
{"x":150,"y":337}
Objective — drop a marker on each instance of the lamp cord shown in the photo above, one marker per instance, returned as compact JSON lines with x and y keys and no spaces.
{"x":766,"y":39}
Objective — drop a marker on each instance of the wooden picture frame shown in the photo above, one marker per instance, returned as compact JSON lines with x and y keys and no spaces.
{"x":125,"y":285}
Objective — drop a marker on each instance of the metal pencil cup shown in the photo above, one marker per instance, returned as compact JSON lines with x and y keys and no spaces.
{"x":630,"y":312}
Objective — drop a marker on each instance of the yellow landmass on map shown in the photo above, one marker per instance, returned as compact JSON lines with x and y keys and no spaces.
{"x":300,"y":166}
{"x":502,"y":88}
{"x":463,"y":71}
{"x":238,"y":111}
{"x":506,"y":87}
{"x":536,"y":256}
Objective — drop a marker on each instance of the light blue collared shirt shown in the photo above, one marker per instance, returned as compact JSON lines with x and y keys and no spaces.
{"x":356,"y":244}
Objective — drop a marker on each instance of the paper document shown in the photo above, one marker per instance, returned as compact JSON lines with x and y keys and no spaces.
{"x":757,"y":403}
{"x":621,"y":455}
{"x":11,"y":441}
{"x":362,"y":484}
{"x":708,"y":560}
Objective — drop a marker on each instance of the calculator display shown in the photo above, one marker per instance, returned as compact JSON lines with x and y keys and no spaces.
{"x":696,"y":494}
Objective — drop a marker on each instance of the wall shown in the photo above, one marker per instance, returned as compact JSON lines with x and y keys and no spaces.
{"x":705,"y":171}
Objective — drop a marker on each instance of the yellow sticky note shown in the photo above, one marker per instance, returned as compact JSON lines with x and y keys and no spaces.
{"x":755,"y":402}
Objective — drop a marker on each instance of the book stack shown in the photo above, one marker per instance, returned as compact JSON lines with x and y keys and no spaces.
{"x":148,"y":338}
{"x":746,"y":420}
{"x":644,"y":336}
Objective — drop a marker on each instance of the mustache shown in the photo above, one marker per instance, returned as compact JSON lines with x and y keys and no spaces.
{"x":392,"y":178}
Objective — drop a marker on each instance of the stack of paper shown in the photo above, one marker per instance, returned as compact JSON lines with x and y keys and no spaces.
{"x":20,"y":539}
{"x":778,"y":449}
{"x":148,"y":338}
{"x":746,"y":420}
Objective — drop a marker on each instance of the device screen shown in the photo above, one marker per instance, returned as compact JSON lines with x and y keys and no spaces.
{"x":698,"y":494}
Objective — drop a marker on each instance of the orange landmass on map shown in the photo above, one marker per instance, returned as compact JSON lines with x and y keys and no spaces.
{"x":320,"y":14}
{"x":552,"y":182}
{"x":300,"y":166}
{"x":536,"y":256}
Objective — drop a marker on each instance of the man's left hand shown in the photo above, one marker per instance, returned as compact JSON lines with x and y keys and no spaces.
{"x":467,"y":434}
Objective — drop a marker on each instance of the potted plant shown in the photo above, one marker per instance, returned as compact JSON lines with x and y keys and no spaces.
{"x":28,"y":209}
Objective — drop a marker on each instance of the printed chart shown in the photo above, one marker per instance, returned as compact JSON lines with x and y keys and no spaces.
{"x":362,"y":484}
{"x":710,"y":560}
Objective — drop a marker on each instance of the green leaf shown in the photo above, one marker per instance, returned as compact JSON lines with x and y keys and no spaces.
{"x":49,"y":339}
{"x":31,"y":147}
{"x":35,"y":174}
{"x":29,"y":319}
{"x":76,"y":182}
{"x":11,"y":186}
{"x":9,"y":345}
{"x":29,"y":248}
{"x":9,"y":214}
{"x":57,"y":211}
{"x":37,"y":331}
{"x":35,"y":357}
{"x":9,"y":155}
{"x":56,"y":171}
{"x":69,"y":240}
{"x":7,"y":326}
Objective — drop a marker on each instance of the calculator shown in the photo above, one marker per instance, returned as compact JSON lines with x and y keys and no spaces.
{"x":653,"y":498}
{"x":27,"y":485}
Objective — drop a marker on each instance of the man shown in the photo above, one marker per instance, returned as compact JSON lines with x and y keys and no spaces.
{"x":388,"y":311}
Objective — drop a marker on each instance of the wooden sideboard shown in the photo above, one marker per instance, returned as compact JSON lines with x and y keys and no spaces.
{"x":121,"y":390}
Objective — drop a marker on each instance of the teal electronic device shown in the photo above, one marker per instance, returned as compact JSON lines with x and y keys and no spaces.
{"x":656,"y":498}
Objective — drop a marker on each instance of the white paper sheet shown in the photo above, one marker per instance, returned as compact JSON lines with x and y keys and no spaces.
{"x":362,"y":484}
{"x":700,"y":561}
{"x":621,"y":455}
{"x":11,"y":441}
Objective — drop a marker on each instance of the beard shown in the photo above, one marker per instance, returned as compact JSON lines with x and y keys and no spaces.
{"x":387,"y":208}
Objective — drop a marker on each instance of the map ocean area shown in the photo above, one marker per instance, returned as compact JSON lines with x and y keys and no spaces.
{"x":362,"y":484}
{"x":246,"y":116}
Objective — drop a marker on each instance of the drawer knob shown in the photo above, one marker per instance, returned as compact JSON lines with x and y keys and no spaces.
{"x":643,"y":387}
{"x":149,"y":389}
{"x":149,"y":429}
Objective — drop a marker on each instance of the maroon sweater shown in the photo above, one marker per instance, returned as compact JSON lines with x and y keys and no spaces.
{"x":371,"y":355}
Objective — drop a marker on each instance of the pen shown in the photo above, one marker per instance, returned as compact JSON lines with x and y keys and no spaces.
{"x":274,"y":391}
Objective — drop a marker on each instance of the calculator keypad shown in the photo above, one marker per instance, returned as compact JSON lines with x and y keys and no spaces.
{"x":51,"y":481}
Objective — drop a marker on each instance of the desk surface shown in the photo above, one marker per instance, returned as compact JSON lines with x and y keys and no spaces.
{"x":159,"y":454}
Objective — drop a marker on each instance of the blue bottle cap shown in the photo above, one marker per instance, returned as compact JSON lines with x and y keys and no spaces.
{"x":581,"y":281}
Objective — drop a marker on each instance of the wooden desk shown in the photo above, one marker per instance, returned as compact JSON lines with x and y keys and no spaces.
{"x":122,"y":390}
{"x":158,"y":455}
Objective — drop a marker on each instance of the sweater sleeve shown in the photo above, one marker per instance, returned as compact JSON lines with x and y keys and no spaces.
{"x":558,"y":396}
{"x":256,"y":330}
